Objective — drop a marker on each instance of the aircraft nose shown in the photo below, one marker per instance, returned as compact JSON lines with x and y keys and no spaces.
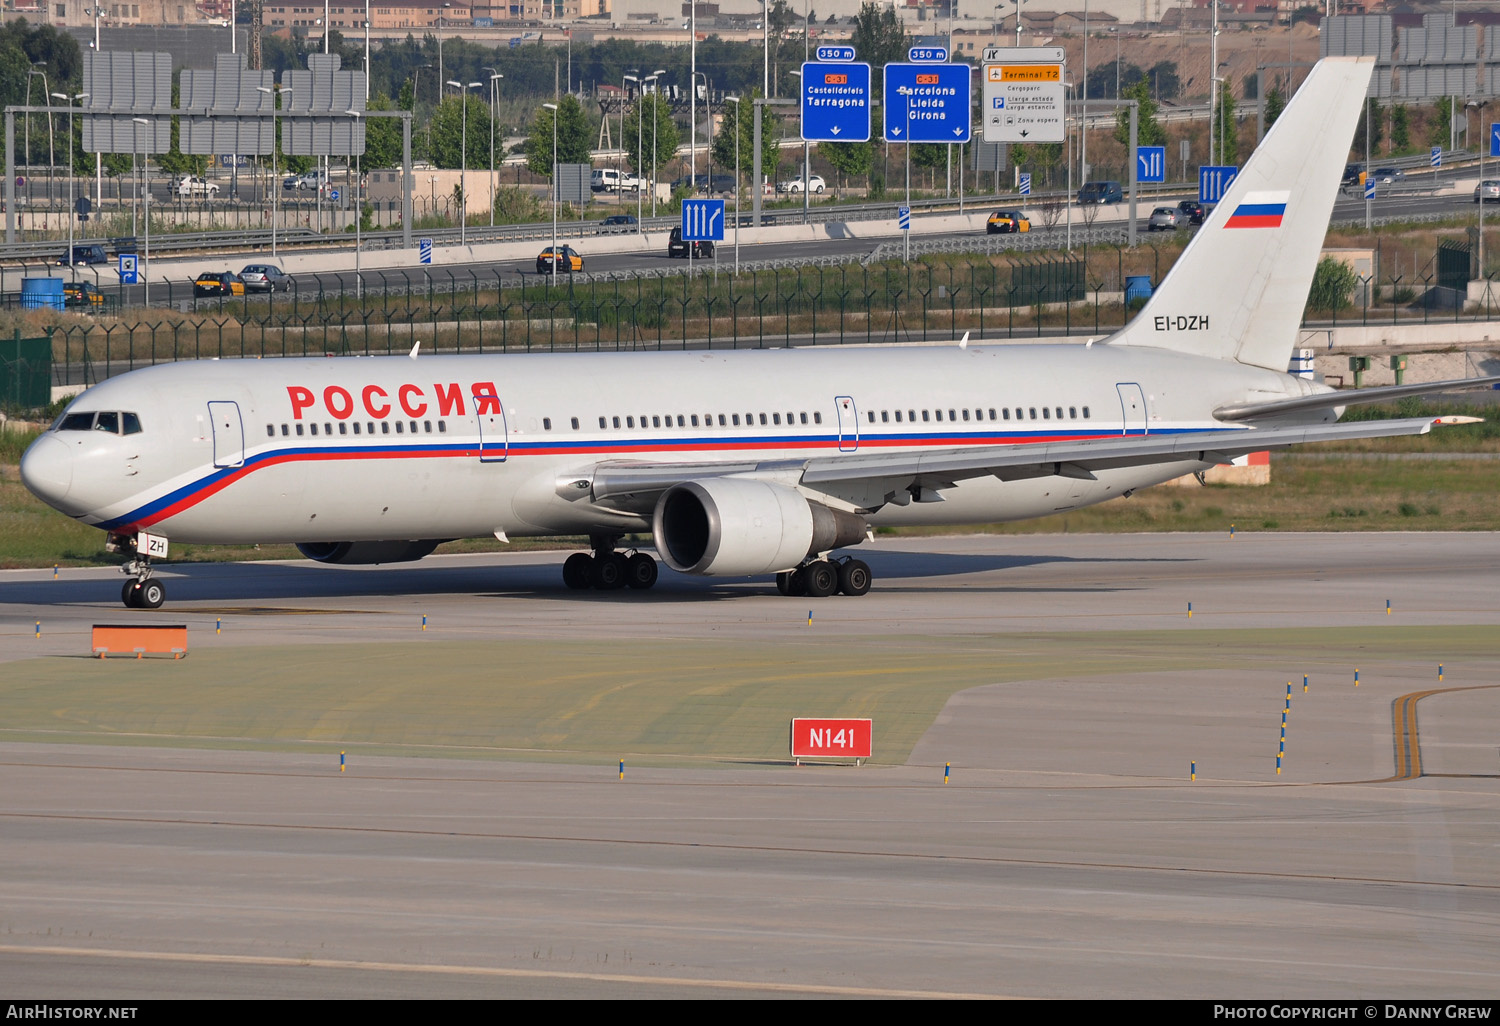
{"x":47,"y":469}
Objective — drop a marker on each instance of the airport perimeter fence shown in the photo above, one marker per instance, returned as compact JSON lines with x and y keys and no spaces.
{"x":1017,"y":296}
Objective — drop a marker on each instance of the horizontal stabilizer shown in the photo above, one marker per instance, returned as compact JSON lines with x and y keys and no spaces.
{"x":1352,"y":397}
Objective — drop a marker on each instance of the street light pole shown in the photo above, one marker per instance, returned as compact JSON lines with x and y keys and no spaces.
{"x":146,"y":177}
{"x":553,"y":108}
{"x":72,"y":214}
{"x":736,"y":101}
{"x":620,"y":162}
{"x":275,"y":145}
{"x":359,"y":282}
{"x":97,"y":12}
{"x":494,"y":91}
{"x":463,"y":159}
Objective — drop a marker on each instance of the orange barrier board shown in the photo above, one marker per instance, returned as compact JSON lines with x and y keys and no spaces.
{"x":140,"y":640}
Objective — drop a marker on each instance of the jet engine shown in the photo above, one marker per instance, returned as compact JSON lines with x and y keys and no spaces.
{"x":367,"y":551}
{"x":727,"y":527}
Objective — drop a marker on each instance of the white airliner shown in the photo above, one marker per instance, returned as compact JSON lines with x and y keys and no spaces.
{"x":738,"y":463}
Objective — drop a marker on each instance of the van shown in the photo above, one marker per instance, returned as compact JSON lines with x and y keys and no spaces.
{"x":608,"y":179}
{"x":1101,"y":192}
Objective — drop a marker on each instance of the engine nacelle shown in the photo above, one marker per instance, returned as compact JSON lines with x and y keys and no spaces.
{"x":367,"y":551}
{"x":735,"y":527}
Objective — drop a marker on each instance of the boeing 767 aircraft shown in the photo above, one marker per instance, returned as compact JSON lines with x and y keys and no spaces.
{"x":737,"y":463}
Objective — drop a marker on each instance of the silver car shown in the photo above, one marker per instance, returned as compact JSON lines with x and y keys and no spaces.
{"x":1164,"y":219}
{"x":265,"y":278}
{"x":1487,"y":191}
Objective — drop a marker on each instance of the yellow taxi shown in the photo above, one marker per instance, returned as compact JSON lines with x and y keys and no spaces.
{"x":218,"y":283}
{"x":1004,"y":222}
{"x":81,"y":293}
{"x":568,"y":260}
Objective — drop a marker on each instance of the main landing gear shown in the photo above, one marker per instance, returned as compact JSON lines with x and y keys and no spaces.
{"x":608,"y":570}
{"x":820,"y":578}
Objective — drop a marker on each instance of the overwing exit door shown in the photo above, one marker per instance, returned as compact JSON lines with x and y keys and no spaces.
{"x":848,"y":423}
{"x":1132,"y":408}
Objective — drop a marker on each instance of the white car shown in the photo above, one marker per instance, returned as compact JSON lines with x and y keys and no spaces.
{"x":192,"y":185}
{"x":815,"y":184}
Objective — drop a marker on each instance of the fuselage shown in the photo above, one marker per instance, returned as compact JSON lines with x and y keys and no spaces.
{"x":359,"y":448}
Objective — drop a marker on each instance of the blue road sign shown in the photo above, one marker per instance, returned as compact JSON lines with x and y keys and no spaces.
{"x":703,"y":220}
{"x":835,"y":53}
{"x":424,"y":251}
{"x":1026,"y":184}
{"x":128,"y":275}
{"x":928,"y":103}
{"x":1151,"y":163}
{"x":333,"y":194}
{"x":1214,"y":181}
{"x":1369,"y":188}
{"x":903,"y":218}
{"x":1494,"y":140}
{"x":836,"y":102}
{"x":1436,"y":160}
{"x":927,"y":54}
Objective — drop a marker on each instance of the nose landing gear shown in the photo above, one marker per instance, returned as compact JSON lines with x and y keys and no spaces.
{"x":143,"y":591}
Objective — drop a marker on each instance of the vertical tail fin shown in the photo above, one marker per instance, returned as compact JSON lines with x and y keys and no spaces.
{"x":1239,"y":288}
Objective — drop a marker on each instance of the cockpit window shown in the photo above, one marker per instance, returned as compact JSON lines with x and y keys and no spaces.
{"x":111,"y":421}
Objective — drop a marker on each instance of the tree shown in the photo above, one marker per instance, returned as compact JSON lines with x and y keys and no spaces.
{"x":1332,"y":285}
{"x":1148,"y":131}
{"x":879,"y":37}
{"x":1400,"y":128}
{"x":1166,"y":84}
{"x":1375,"y":118}
{"x":651,"y":108}
{"x":383,"y":136}
{"x":573,"y":144}
{"x":1275,"y":104}
{"x":770,"y":151}
{"x":447,"y":145}
{"x":1228,"y":144}
{"x":848,"y":159}
{"x":1438,"y":124}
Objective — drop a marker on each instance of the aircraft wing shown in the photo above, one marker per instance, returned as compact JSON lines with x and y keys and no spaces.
{"x":636,"y":486}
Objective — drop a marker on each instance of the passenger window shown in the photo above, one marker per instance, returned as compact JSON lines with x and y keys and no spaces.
{"x":656,"y":422}
{"x":1045,"y":413}
{"x":804,"y":418}
{"x":682,"y":421}
{"x":575,"y":424}
{"x":762,"y":420}
{"x":356,"y":427}
{"x":722,"y":422}
{"x":885,"y":416}
{"x":630,"y":422}
{"x":546,"y":423}
{"x":270,"y":431}
{"x":108,"y":422}
{"x":937,"y":414}
{"x":1059,"y":413}
{"x":343,"y":428}
{"x":925,"y":416}
{"x":695,"y":420}
{"x":992,"y":414}
{"x":776,"y":418}
{"x":790,"y":419}
{"x":1006,"y":412}
{"x":385,"y":427}
{"x":427,"y":426}
{"x":1085,"y":413}
{"x":442,"y":427}
{"x":299,"y":430}
{"x":398,"y":427}
{"x":898,"y":416}
{"x":966,"y":415}
{"x":131,"y":423}
{"x":736,"y":420}
{"x":313,"y":428}
{"x":1033,"y":413}
{"x":1072,"y":413}
{"x":817,"y":417}
{"x":284,"y":431}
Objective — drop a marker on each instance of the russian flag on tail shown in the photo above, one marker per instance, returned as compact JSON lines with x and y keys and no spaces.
{"x":1259,"y":210}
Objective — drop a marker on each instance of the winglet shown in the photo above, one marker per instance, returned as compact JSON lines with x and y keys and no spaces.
{"x":413,"y":354}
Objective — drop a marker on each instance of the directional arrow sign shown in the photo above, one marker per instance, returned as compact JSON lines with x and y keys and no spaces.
{"x":928,"y":103}
{"x":703,"y":219}
{"x":1151,"y":163}
{"x":836,"y":102}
